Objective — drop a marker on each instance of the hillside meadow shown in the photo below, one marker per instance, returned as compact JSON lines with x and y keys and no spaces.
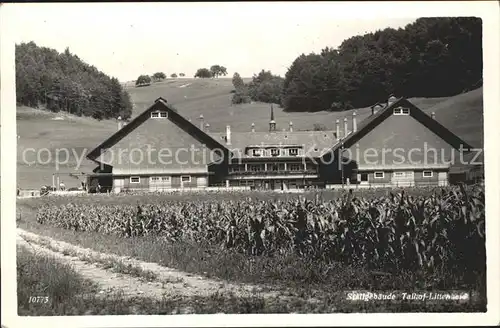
{"x":38,"y":129}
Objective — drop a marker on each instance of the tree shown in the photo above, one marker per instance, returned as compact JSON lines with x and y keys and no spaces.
{"x":203,"y":73}
{"x":238,"y":81}
{"x":266,"y":87}
{"x":182,"y":74}
{"x":173,"y":75}
{"x":143,"y":80}
{"x":158,"y":76}
{"x":218,"y":70}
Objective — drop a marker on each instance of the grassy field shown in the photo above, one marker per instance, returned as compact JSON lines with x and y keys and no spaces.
{"x":67,"y":293}
{"x":211,"y":97}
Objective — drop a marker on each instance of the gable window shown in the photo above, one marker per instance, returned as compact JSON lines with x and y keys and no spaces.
{"x":135,"y":179}
{"x":161,"y":114}
{"x":401,"y":111}
{"x":379,"y":175}
{"x":294,"y":151}
{"x":186,"y":178}
{"x":427,"y":174}
{"x":275,"y":152}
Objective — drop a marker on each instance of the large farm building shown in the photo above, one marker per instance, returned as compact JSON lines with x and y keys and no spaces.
{"x":397,"y":145}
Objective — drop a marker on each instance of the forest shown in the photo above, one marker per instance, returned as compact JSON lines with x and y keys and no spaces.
{"x":432,"y":57}
{"x":57,"y":81}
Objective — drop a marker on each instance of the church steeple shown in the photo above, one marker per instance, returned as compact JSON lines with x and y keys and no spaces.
{"x":272,"y":122}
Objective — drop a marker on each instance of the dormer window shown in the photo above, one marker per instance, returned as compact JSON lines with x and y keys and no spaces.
{"x":294,"y":151}
{"x":257,"y":152}
{"x":275,"y":152}
{"x":161,"y":114}
{"x":401,"y":111}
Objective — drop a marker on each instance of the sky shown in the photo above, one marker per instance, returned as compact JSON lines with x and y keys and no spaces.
{"x":126,"y":40}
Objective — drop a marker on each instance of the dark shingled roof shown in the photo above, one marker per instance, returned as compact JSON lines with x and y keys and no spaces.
{"x":314,"y":143}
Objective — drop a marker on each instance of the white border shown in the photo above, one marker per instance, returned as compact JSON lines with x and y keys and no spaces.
{"x":487,"y":10}
{"x":375,"y":175}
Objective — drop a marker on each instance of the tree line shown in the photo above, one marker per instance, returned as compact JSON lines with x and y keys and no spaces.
{"x":214,"y":71}
{"x":63,"y":82}
{"x":432,"y":57}
{"x":145,"y":80}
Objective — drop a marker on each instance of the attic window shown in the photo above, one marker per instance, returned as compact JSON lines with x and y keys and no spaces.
{"x":294,"y":151}
{"x":275,"y":152}
{"x":401,"y":111}
{"x":161,"y":114}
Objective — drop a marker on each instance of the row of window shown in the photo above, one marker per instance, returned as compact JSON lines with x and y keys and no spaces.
{"x":184,"y":178}
{"x":258,"y":152}
{"x":381,"y":175}
{"x":272,"y":167}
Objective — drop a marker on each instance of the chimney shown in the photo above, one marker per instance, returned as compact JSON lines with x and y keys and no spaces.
{"x":228,"y":134}
{"x":345,"y":127}
{"x":201,"y":122}
{"x":207,"y":126}
{"x":354,"y":122}
{"x":291,"y":126}
{"x":337,"y":127}
{"x":433,"y":115}
{"x":119,"y":123}
{"x":253,"y":127}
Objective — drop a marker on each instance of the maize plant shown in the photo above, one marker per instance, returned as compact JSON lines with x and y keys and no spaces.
{"x":442,"y":229}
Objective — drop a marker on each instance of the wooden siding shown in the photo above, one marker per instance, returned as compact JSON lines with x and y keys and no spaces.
{"x":385,"y":180}
{"x":142,"y":185}
{"x":420,"y":180}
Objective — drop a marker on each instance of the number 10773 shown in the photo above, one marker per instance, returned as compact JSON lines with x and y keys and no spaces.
{"x":38,"y":299}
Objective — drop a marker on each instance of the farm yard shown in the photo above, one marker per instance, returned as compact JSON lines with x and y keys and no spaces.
{"x":309,"y":247}
{"x":38,"y":129}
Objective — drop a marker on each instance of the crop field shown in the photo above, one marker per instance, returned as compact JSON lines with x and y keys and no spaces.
{"x":438,"y":232}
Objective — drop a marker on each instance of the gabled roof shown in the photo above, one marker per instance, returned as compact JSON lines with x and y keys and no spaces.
{"x":314,"y":143}
{"x":371,"y":122}
{"x":159,"y":105}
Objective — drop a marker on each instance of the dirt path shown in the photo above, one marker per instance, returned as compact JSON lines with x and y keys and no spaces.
{"x":168,"y":282}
